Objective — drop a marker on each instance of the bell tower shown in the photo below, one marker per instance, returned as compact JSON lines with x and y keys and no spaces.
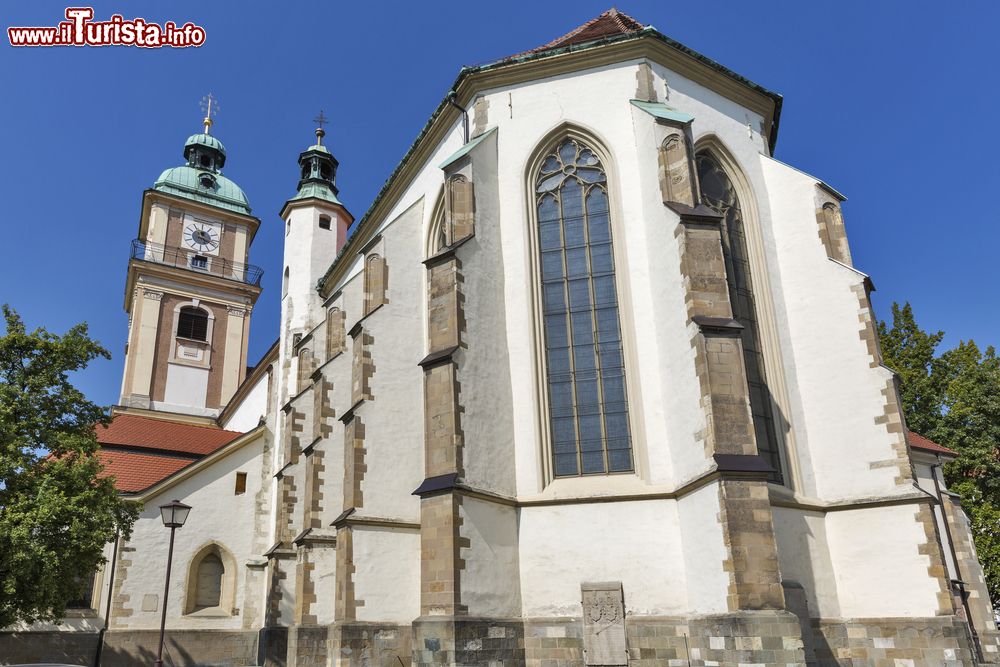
{"x":189,"y":290}
{"x":316,"y":225}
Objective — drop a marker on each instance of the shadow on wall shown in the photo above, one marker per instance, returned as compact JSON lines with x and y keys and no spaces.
{"x":173,"y":655}
{"x":131,"y":648}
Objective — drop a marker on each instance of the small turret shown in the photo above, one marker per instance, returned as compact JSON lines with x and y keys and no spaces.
{"x":316,"y":225}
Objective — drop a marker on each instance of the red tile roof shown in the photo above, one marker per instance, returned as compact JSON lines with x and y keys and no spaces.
{"x":136,"y":471}
{"x":608,"y":24}
{"x":147,"y":433}
{"x":142,"y":451}
{"x":921,"y":443}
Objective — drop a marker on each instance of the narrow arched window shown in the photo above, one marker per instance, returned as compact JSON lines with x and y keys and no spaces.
{"x":461,"y":209}
{"x":718,"y":192}
{"x":334,"y":332}
{"x":585,"y":369}
{"x":375,"y":282}
{"x":324,"y":222}
{"x":675,"y":172}
{"x":192,"y":323}
{"x":209,"y":585}
{"x":284,"y":283}
{"x":305,"y":368}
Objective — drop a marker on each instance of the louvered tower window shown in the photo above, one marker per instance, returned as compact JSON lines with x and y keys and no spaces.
{"x":192,"y":323}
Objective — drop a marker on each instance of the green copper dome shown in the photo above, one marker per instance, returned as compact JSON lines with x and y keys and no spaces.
{"x":206,"y":140}
{"x":319,"y":172}
{"x":201,"y":178}
{"x":203,"y":186}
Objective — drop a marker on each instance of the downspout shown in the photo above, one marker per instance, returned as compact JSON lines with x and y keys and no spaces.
{"x":465,"y":116}
{"x":954,"y":559}
{"x":107,"y":609}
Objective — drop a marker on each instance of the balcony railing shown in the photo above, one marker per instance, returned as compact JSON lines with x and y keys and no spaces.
{"x":185,"y":258}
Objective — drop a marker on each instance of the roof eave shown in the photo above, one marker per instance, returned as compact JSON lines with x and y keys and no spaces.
{"x":465,"y":75}
{"x":175,"y":478}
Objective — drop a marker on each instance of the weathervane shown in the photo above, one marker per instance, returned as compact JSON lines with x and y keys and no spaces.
{"x":210,"y":106}
{"x":320,"y":132}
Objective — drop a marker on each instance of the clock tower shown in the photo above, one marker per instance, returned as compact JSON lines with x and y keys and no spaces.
{"x":190,"y":290}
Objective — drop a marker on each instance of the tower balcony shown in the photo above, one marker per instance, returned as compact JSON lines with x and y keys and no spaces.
{"x":190,"y":260}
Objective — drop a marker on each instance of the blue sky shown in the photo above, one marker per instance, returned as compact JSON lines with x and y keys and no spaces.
{"x":894,"y":104}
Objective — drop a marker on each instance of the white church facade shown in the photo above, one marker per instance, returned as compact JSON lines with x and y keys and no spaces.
{"x":594,"y":381}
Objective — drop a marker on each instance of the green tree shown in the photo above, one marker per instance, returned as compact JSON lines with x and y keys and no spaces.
{"x":954,"y":399}
{"x":970,"y":418}
{"x":56,"y":512}
{"x":909,"y":350}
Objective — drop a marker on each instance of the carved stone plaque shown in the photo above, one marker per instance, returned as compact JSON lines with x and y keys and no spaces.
{"x":604,"y":623}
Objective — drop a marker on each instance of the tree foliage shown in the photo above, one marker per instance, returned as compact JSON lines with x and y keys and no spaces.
{"x":56,"y":512}
{"x":953,"y":398}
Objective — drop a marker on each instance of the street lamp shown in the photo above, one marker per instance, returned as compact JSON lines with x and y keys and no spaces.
{"x":174,"y":514}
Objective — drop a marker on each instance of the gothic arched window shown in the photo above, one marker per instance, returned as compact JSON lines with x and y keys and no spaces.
{"x":718,"y":192}
{"x":585,"y":368}
{"x":211,"y":581}
{"x":192,"y":323}
{"x":209,"y":586}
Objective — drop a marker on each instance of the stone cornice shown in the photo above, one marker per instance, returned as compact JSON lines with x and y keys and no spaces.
{"x":149,"y":196}
{"x":193,"y":279}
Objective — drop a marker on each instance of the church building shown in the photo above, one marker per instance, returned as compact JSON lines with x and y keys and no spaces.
{"x":594,"y":381}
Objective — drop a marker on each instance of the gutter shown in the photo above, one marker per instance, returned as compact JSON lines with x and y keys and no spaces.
{"x":957,"y":582}
{"x":107,"y":609}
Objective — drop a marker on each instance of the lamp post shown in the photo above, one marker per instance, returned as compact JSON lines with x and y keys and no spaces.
{"x":174,"y":514}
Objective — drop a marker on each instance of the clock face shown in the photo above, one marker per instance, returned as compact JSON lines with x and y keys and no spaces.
{"x":201,"y":236}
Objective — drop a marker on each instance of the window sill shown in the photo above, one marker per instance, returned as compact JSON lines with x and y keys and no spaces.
{"x":593,"y":486}
{"x":196,"y":341}
{"x":209,"y":612}
{"x":81,"y":613}
{"x":190,"y":364}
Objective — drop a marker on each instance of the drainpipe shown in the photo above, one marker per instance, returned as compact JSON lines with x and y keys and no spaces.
{"x":465,"y":116}
{"x":954,"y":559}
{"x":107,"y":609}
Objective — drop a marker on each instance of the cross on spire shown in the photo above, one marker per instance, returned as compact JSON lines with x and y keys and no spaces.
{"x":210,"y":105}
{"x":320,"y":120}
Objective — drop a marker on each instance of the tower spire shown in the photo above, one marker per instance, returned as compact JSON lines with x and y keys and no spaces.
{"x":320,"y":120}
{"x":210,"y":105}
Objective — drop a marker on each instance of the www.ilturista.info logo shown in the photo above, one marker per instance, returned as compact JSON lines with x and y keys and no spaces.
{"x":80,"y":30}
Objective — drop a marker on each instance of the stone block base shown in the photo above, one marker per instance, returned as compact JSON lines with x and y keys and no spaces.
{"x":941,"y":641}
{"x":450,"y":640}
{"x":764,"y":638}
{"x":369,"y":644}
{"x":76,"y":648}
{"x":273,"y":643}
{"x":990,"y":641}
{"x":308,"y":645}
{"x":761,"y":639}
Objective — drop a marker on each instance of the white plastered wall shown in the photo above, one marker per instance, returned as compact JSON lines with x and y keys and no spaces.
{"x":490,"y":579}
{"x":804,"y":557}
{"x":879,"y":570}
{"x":387,"y":577}
{"x":562,"y":546}
{"x":251,"y":409}
{"x":839,"y":393}
{"x":217,"y":515}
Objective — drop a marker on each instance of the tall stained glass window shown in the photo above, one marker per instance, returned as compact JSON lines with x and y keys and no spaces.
{"x":588,"y":408}
{"x":717,"y":192}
